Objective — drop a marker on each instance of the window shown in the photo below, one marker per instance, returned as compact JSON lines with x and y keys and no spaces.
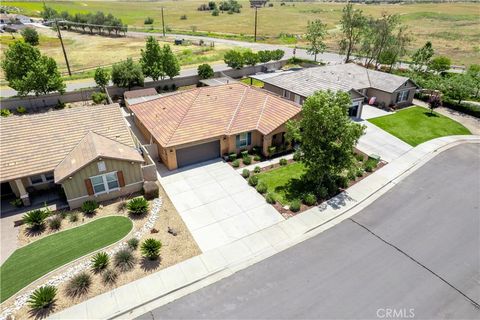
{"x":286,"y":94}
{"x":42,"y":178}
{"x":49,"y":176}
{"x":244,"y":139}
{"x":36,"y":179}
{"x":105,"y":182}
{"x":402,"y":96}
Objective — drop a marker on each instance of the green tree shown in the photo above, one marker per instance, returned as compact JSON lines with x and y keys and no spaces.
{"x":30,"y":36}
{"x":327,"y":137}
{"x":316,"y":33}
{"x":19,"y":58}
{"x":250,"y":58}
{"x":43,"y":78}
{"x":102,"y":77}
{"x":152,"y":59}
{"x":421,"y":58}
{"x":264,"y":56}
{"x":48,"y":13}
{"x":474,"y":73}
{"x":458,"y":87}
{"x":352,"y":26}
{"x":277,"y":54}
{"x":127,"y":74}
{"x":434,"y":102}
{"x":234,"y":59}
{"x":171,"y":67}
{"x":440,"y":64}
{"x":205,"y":71}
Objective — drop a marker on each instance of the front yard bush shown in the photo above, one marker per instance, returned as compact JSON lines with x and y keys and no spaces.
{"x":245,"y":173}
{"x":283,"y":162}
{"x":247,"y":160}
{"x":297,"y":156}
{"x":5,"y":112}
{"x":257,"y":157}
{"x":351,"y":175}
{"x":109,"y":276}
{"x":99,"y":97}
{"x":151,"y":248}
{"x":35,"y":219}
{"x":133,"y":243}
{"x":232,"y":156}
{"x":89,"y":207}
{"x":257,"y":169}
{"x":100,"y":261}
{"x":295,"y":206}
{"x":21,"y":110}
{"x":253,"y":180}
{"x":42,"y":298}
{"x":244,"y":153}
{"x":359,"y":157}
{"x":370,"y":164}
{"x":124,"y":260}
{"x":79,"y":284}
{"x":73,"y":217}
{"x":359,"y":172}
{"x":137,"y":206}
{"x":309,"y":199}
{"x":17,"y":202}
{"x":261,"y":187}
{"x":55,"y":223}
{"x":342,"y":182}
{"x":236,"y":163}
{"x":270,"y":198}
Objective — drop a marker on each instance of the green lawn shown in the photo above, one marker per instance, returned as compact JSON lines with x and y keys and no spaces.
{"x":254,"y":82}
{"x":31,"y":262}
{"x":416,"y":125}
{"x":282,"y":182}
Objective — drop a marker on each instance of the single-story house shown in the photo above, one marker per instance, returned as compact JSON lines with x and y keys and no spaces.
{"x":88,"y":151}
{"x":204,"y":123}
{"x":140,"y":95}
{"x":363,"y":84}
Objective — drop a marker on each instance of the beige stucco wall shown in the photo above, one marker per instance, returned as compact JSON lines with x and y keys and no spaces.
{"x":75,"y":187}
{"x":125,"y":191}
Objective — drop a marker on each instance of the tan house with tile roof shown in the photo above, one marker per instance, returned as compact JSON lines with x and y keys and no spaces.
{"x":89,"y":151}
{"x":203,"y":123}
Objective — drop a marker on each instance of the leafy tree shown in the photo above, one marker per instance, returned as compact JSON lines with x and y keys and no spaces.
{"x":148,"y":20}
{"x":102,"y":77}
{"x":171,"y":67}
{"x":152,"y":59}
{"x":19,"y":58}
{"x":421,"y":58}
{"x":42,"y":78}
{"x":127,"y":74}
{"x":205,"y":71}
{"x":396,"y":48}
{"x":48,"y":13}
{"x":352,"y":26}
{"x":250,"y":58}
{"x":458,"y":87}
{"x":264,"y":56}
{"x":30,"y":36}
{"x":474,"y":73}
{"x":434,"y":102}
{"x":277,"y":54}
{"x":327,"y":138}
{"x":316,"y":33}
{"x":215,"y":12}
{"x":440,"y":64}
{"x":234,"y":59}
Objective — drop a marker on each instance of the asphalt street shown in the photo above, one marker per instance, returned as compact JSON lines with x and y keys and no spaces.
{"x":413,"y":253}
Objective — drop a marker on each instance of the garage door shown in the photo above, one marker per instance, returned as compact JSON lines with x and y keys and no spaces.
{"x":198,"y":153}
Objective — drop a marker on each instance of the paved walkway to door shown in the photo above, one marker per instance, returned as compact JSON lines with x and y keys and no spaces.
{"x":216,"y":203}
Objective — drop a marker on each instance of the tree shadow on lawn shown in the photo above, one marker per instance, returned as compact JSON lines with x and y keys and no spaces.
{"x":294,"y":189}
{"x":431,"y":115}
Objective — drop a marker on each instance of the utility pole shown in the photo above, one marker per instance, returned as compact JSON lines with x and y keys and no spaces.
{"x":163,"y":24}
{"x":255,"y":36}
{"x":63,"y":47}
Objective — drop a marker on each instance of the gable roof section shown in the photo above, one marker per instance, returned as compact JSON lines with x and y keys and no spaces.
{"x":207,"y":112}
{"x":91,"y":147}
{"x":36,"y":143}
{"x":140,"y":93}
{"x":344,"y":77}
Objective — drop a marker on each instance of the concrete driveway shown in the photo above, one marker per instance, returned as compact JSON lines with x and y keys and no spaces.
{"x":216,"y":203}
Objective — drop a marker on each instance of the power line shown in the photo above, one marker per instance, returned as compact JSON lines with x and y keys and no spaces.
{"x":63,"y":48}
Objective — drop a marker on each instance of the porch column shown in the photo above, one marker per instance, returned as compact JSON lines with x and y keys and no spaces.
{"x":267,"y":142}
{"x":23,"y":193}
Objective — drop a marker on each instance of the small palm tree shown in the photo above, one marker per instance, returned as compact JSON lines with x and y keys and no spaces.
{"x":151,"y":248}
{"x":35,"y":218}
{"x":100,"y":261}
{"x":42,"y":298}
{"x":137,"y":206}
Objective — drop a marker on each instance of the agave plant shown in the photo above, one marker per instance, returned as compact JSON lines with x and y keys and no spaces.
{"x":100,"y":261}
{"x":35,"y":218}
{"x":137,"y":206}
{"x":151,"y":248}
{"x":42,"y":297}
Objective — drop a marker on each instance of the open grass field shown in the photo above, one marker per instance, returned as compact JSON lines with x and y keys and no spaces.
{"x":453,"y":28}
{"x":42,"y":256}
{"x":416,"y":125}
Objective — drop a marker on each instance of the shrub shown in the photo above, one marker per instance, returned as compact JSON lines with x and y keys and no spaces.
{"x":109,"y":276}
{"x":351,"y":175}
{"x":35,"y":218}
{"x":232,"y":156}
{"x":17,"y":202}
{"x":151,"y":248}
{"x":270,"y":198}
{"x":148,"y":20}
{"x":359,"y":157}
{"x":236,"y":163}
{"x":100,"y":261}
{"x":60,"y":105}
{"x":271,"y":150}
{"x":5,"y":112}
{"x":55,"y":223}
{"x":133,"y":243}
{"x":253,"y":180}
{"x":73,"y":217}
{"x":370,"y":164}
{"x":63,"y":214}
{"x":89,"y":207}
{"x":42,"y":298}
{"x":295,"y":206}
{"x":137,"y":206}
{"x":342,"y":182}
{"x":183,"y":17}
{"x":261,"y":187}
{"x":257,"y":157}
{"x":21,"y":110}
{"x":205,"y":71}
{"x":245,"y":173}
{"x":309,"y":199}
{"x":244,"y":153}
{"x":297,"y":156}
{"x":124,"y":260}
{"x":247,"y":160}
{"x":99,"y":97}
{"x":359,"y":172}
{"x":283,"y":162}
{"x":79,"y":284}
{"x":257,"y":169}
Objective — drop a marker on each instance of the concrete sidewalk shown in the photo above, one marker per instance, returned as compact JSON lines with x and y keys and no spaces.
{"x":138,"y":297}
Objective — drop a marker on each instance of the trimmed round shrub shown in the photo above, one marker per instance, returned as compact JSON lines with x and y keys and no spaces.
{"x":244,"y":153}
{"x":232,"y":156}
{"x":55,"y":223}
{"x":247,"y":160}
{"x":133,"y":243}
{"x":253,"y":180}
{"x":295,"y":206}
{"x":283,"y":162}
{"x":42,"y":298}
{"x":89,"y":207}
{"x":261,"y":187}
{"x":270,"y":198}
{"x":137,"y":206}
{"x":35,"y":219}
{"x":150,"y":248}
{"x":5,"y":112}
{"x":124,"y":260}
{"x":79,"y":284}
{"x":109,"y":276}
{"x":100,"y":261}
{"x":257,"y":157}
{"x":257,"y":169}
{"x":309,"y":199}
{"x":245,"y":173}
{"x":236,"y":163}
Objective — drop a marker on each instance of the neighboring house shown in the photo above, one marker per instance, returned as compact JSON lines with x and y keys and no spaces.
{"x":141,"y":95}
{"x":203,"y":123}
{"x":7,"y":18}
{"x":361,"y":83}
{"x":87,"y":151}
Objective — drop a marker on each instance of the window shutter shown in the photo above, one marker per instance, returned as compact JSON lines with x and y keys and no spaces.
{"x":88,"y":184}
{"x":249,"y":140}
{"x":121,"y":179}
{"x":237,"y":140}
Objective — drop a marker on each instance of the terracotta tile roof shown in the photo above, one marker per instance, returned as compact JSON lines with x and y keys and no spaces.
{"x":208,"y":112}
{"x":91,"y":147}
{"x":36,"y":143}
{"x":140,"y":93}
